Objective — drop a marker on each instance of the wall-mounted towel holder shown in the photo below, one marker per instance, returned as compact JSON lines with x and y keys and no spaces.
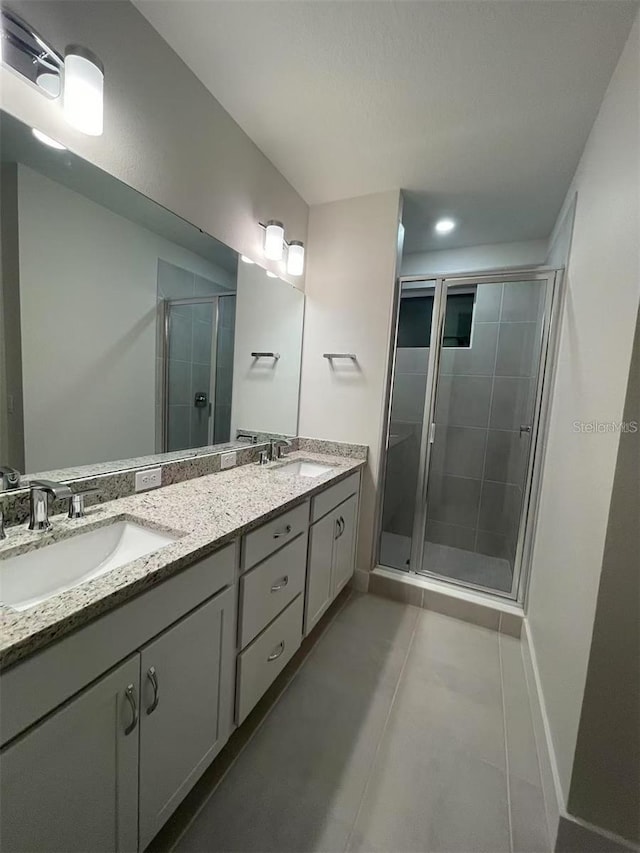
{"x":332,"y":355}
{"x":275,"y":355}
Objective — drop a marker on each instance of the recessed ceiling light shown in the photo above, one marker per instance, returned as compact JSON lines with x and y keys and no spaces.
{"x":271,"y":274}
{"x":246,"y":259}
{"x":47,"y":140}
{"x":445,"y":226}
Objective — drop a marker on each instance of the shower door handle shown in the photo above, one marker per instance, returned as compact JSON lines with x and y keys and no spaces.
{"x":525,"y":428}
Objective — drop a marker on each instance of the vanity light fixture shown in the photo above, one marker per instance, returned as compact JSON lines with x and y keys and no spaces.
{"x":78,"y":76}
{"x":274,"y":240}
{"x":47,"y":140}
{"x":246,"y":259}
{"x":83,"y":90}
{"x":295,"y":258}
{"x":445,"y":226}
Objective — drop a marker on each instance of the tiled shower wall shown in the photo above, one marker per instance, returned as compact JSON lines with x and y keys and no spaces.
{"x":190,"y":358}
{"x":407,"y":409}
{"x":485,"y":393}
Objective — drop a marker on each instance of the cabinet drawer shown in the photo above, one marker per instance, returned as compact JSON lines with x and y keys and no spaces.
{"x":267,"y":589}
{"x":273,"y":535}
{"x":334,"y":495}
{"x":261,"y":662}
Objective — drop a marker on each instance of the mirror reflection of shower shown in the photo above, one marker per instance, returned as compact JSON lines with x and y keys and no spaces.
{"x":195,"y":368}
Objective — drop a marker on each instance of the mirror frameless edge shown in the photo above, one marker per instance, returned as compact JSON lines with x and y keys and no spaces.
{"x":85,"y":337}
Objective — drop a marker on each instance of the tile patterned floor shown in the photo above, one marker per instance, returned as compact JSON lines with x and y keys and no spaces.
{"x":448,"y":562}
{"x":403,"y":730}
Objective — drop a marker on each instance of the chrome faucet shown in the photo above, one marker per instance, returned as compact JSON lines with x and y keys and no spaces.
{"x":275,"y":447}
{"x":9,"y":478}
{"x":39,"y":502}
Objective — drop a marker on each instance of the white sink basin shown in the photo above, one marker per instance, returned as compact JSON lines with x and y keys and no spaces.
{"x":302,"y":468}
{"x":29,"y":579}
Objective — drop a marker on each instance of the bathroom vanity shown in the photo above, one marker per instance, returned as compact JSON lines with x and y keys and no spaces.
{"x":119,"y":692}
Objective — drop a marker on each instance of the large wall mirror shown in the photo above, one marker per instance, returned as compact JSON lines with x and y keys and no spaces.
{"x":124,"y":330}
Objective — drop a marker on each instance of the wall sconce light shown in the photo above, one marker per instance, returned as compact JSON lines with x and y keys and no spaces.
{"x":274,"y":245}
{"x":274,"y":240}
{"x":295,"y":258}
{"x":78,"y":77}
{"x":83,"y":90}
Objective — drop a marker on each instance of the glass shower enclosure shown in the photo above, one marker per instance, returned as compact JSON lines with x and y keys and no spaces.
{"x":196,"y":371}
{"x":467,"y":388}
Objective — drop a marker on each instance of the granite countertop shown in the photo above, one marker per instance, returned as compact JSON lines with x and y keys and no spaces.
{"x":205,"y":513}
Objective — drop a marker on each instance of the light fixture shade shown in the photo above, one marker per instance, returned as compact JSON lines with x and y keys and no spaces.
{"x":295,"y":258}
{"x":83,"y":91}
{"x":274,"y":240}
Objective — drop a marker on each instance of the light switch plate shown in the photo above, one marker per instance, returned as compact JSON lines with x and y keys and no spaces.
{"x":149,"y":479}
{"x":228,"y":460}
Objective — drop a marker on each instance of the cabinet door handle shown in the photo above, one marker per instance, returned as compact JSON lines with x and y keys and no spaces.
{"x":279,"y":533}
{"x":280,"y":584}
{"x":130,"y":694}
{"x":275,"y":654}
{"x":342,"y":525}
{"x":152,"y":675}
{"x":337,"y":533}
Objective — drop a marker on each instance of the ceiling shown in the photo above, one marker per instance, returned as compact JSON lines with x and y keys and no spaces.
{"x":478,"y":110}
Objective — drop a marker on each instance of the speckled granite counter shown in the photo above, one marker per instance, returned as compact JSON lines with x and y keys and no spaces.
{"x":205,"y":513}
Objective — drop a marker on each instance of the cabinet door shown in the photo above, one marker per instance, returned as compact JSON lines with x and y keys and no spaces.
{"x":344,"y":555}
{"x":71,"y":782}
{"x":319,"y":593}
{"x":186,"y":707}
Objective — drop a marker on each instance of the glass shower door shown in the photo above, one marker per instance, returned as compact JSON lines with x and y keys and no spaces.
{"x":407,"y":414}
{"x":481,"y":436}
{"x":198,"y":371}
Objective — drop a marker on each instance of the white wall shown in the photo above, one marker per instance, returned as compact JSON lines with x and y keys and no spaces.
{"x":593,"y":366}
{"x":351,"y":271}
{"x":269,"y":318}
{"x":164,"y":133}
{"x":88,"y":290}
{"x":476,"y":258}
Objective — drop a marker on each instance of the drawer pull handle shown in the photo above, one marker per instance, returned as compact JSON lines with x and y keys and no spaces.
{"x":275,"y":654}
{"x":130,"y":694}
{"x":280,"y":584}
{"x":278,"y":534}
{"x":339,"y":527}
{"x":152,"y":675}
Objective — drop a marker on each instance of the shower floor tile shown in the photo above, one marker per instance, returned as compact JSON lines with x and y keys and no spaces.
{"x":455,"y":563}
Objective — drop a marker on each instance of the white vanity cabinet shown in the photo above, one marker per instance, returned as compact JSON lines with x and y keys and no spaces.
{"x":185,"y":708}
{"x":106,"y":769}
{"x":71,"y":782}
{"x":332,"y":541}
{"x":271,"y":603}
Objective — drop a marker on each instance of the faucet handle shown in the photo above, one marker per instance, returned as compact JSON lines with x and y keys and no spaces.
{"x":76,"y":503}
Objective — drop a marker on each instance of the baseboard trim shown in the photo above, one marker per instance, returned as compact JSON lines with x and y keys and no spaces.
{"x":568,"y":834}
{"x":578,"y":836}
{"x":551,"y":788}
{"x":360,"y":581}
